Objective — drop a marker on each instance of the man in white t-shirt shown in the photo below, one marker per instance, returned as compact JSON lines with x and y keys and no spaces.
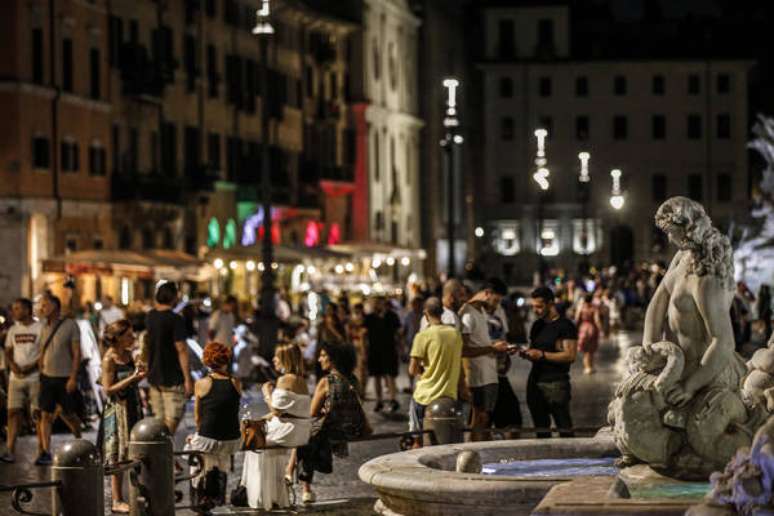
{"x":22,"y":351}
{"x":453,"y":297}
{"x":479,"y":350}
{"x":223,"y":321}
{"x":109,"y":314}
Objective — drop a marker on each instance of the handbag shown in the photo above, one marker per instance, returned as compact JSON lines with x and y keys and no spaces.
{"x":253,"y":434}
{"x":239,"y":496}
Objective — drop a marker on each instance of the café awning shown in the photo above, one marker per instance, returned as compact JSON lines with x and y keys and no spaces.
{"x":151,"y":264}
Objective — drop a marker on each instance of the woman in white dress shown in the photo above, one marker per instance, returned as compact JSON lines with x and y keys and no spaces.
{"x":266,"y":473}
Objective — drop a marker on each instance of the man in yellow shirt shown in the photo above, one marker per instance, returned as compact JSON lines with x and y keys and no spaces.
{"x":436,"y":356}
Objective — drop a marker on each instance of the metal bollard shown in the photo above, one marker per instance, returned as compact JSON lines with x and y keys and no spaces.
{"x":78,"y":467}
{"x":152,"y":492}
{"x":444,"y":417}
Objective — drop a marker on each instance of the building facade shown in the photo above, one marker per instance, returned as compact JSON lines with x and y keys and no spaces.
{"x":672,"y":126}
{"x":54,"y":160}
{"x":385,"y":104}
{"x":136,"y":125}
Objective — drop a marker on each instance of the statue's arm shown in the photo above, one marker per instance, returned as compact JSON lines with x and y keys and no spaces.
{"x":710,"y":296}
{"x":655,"y":315}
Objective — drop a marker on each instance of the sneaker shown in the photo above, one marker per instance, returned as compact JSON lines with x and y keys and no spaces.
{"x":8,"y":458}
{"x":44,"y":459}
{"x":394,"y":406}
{"x":379,"y":406}
{"x":308,"y":497}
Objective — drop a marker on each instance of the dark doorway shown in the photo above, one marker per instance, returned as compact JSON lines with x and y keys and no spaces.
{"x":621,"y":245}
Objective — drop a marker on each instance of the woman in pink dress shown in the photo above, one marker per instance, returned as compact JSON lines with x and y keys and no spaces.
{"x":589,"y":328}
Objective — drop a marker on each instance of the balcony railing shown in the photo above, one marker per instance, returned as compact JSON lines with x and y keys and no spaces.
{"x":148,"y":187}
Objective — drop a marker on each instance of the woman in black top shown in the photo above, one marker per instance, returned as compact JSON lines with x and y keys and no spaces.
{"x":123,"y":409}
{"x":338,"y":416}
{"x":216,"y":412}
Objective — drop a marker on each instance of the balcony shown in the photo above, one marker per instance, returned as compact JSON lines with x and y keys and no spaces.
{"x":201,"y":178}
{"x":147,"y":187}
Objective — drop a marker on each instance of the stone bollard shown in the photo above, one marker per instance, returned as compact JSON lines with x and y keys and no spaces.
{"x":444,"y":417}
{"x":78,"y":466}
{"x":151,"y":443}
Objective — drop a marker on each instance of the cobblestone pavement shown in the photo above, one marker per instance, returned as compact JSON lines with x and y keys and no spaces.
{"x":591,"y":394}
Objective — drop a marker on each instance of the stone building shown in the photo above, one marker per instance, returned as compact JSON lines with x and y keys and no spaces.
{"x":384,"y":97}
{"x":55,"y":136}
{"x":673,"y":124}
{"x":135,"y":125}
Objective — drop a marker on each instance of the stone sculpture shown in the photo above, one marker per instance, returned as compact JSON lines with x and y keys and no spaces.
{"x":754,"y":256}
{"x":681,"y":409}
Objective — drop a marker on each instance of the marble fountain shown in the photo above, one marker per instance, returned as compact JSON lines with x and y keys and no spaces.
{"x":689,"y":426}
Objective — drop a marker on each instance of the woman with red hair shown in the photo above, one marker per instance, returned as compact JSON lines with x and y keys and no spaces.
{"x":216,"y":413}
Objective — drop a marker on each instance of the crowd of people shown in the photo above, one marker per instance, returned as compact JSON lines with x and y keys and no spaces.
{"x":458,"y":340}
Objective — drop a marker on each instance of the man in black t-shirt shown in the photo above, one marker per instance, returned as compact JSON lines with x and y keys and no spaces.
{"x":383,"y":327}
{"x":167,"y":353}
{"x":553,"y":342}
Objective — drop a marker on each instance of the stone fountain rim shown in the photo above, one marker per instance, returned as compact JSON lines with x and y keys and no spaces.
{"x":409,"y":474}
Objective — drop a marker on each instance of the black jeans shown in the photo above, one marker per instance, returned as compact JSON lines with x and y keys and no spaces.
{"x":547,"y":399}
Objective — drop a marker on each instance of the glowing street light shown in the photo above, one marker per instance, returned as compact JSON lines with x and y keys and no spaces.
{"x":541,"y":178}
{"x":616,"y":199}
{"x":540,"y":158}
{"x":451,"y":86}
{"x":262,"y":25}
{"x":584,"y":167}
{"x":479,"y":232}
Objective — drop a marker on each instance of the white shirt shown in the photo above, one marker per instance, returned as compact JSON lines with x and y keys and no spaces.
{"x":222,"y":324}
{"x":24,"y":340}
{"x":449,"y":318}
{"x":483,"y":369}
{"x":108,"y":316}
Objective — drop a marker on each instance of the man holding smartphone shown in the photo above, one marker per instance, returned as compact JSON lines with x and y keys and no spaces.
{"x":553,"y":347}
{"x":479,"y":352}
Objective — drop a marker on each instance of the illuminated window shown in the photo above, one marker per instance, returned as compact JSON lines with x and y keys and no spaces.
{"x":586,"y":236}
{"x":505,"y":238}
{"x":548,"y":241}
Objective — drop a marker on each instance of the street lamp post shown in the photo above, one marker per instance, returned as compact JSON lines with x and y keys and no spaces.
{"x":584,"y":191}
{"x":541,"y":176}
{"x":451,"y":138}
{"x":268,"y":332}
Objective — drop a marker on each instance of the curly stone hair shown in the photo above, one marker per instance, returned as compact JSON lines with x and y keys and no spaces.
{"x":711,"y":250}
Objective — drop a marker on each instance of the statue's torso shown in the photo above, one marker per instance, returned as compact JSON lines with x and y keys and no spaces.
{"x":684,"y":318}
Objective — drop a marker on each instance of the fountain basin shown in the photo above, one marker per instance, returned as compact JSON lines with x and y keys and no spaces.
{"x":547,"y":476}
{"x":424,"y":481}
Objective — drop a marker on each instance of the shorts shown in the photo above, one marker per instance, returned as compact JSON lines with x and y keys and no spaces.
{"x":416,"y":416}
{"x":484,"y":397}
{"x":168,"y":403}
{"x":53,"y":392}
{"x":23,"y":393}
